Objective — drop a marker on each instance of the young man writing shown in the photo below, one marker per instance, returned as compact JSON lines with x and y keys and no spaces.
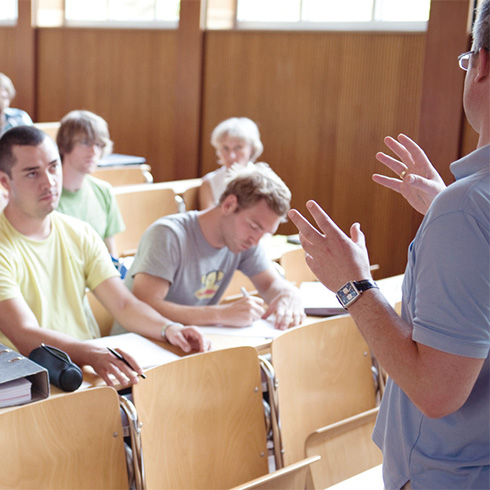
{"x":185,"y":261}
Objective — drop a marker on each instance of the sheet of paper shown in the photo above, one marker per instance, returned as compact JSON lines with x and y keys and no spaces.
{"x":260,"y":328}
{"x":15,"y":392}
{"x":318,"y":300}
{"x":146,"y":353}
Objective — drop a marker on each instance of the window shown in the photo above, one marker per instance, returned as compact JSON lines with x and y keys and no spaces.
{"x":8,"y":12}
{"x":110,"y":13}
{"x":305,"y":14}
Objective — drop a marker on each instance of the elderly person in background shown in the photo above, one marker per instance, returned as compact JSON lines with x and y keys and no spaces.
{"x":10,"y":117}
{"x":237,"y":141}
{"x":83,"y":138}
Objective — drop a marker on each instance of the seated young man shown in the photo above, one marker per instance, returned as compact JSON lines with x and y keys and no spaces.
{"x":83,"y":139}
{"x":47,"y":259}
{"x":185,"y":261}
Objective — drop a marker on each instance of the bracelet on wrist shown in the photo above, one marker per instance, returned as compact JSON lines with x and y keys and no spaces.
{"x":165,"y":327}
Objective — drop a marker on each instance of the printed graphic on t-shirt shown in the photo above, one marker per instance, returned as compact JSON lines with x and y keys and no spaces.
{"x":210,"y":285}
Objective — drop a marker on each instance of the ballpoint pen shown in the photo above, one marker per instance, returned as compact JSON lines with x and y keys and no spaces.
{"x":244,"y":292}
{"x":122,"y":358}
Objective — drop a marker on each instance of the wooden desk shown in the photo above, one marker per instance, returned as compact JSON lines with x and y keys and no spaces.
{"x":115,"y":159}
{"x":276,"y":245}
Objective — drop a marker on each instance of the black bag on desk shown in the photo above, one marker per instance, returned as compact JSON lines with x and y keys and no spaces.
{"x":63,"y":373}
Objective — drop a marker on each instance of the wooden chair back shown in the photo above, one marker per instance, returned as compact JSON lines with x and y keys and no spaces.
{"x":50,"y":128}
{"x":292,"y":477}
{"x":323,"y":373}
{"x":74,"y":440}
{"x":295,"y":268}
{"x":203,"y":421}
{"x":191,"y":197}
{"x":119,"y":175}
{"x":140,"y":206}
{"x":346,"y":449}
{"x":239,"y":280}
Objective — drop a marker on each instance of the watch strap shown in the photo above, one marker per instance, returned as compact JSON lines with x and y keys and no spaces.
{"x":364,"y":285}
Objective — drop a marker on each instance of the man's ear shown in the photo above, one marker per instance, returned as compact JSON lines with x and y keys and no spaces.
{"x":483,"y":68}
{"x":5,"y":180}
{"x":230,"y":204}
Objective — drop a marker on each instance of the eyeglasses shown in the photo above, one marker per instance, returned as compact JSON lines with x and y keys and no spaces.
{"x":90,"y":143}
{"x":464,"y":60}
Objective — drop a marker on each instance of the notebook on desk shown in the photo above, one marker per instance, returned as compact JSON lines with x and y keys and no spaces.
{"x":146,"y":353}
{"x":319,"y":301}
{"x":260,"y":328}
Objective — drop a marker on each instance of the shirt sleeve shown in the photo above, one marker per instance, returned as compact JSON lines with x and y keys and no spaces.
{"x":159,"y":253}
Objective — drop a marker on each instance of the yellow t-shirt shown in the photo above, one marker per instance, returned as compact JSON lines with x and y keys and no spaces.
{"x":52,"y":274}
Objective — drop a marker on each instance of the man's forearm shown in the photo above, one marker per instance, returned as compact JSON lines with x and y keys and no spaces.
{"x":188,"y":315}
{"x":437,"y":382}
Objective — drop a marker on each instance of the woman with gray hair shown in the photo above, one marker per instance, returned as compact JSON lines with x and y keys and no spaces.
{"x":10,"y":117}
{"x":237,"y":142}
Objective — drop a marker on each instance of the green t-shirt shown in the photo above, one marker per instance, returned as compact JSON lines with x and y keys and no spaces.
{"x":52,"y":274}
{"x":94,"y":203}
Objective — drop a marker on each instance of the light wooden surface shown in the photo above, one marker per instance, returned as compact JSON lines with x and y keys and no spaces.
{"x":120,"y":175}
{"x":292,"y":477}
{"x":191,"y":197}
{"x":346,"y":449}
{"x":323,"y":372}
{"x":371,"y":479}
{"x":140,"y":206}
{"x":203,"y":421}
{"x":295,"y":267}
{"x":50,"y":128}
{"x":70,"y":441}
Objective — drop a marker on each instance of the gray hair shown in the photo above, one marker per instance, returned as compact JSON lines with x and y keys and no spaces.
{"x":7,"y":84}
{"x":481,"y":27}
{"x":242,"y":128}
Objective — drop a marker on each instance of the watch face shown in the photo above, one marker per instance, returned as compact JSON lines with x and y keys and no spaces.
{"x":347,"y":294}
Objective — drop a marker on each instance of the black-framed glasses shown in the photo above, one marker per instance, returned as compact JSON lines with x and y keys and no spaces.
{"x":464,"y":60}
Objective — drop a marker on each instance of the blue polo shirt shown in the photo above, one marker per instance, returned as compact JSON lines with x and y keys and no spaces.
{"x":446,"y":297}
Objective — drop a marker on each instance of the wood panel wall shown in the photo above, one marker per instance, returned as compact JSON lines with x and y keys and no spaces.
{"x":323,"y":103}
{"x":125,"y":76}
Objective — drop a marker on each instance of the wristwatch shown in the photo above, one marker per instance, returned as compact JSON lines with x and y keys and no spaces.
{"x":351,"y":291}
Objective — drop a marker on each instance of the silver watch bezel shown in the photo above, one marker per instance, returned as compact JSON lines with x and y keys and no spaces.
{"x":352,"y":289}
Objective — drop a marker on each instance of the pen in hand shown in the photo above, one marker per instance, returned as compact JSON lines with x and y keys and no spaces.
{"x":121,"y":358}
{"x":244,"y":292}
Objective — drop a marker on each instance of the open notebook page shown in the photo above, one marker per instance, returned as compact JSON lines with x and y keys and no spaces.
{"x":146,"y":352}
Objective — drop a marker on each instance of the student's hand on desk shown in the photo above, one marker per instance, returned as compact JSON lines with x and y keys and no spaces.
{"x":105,"y":364}
{"x":243,"y":312}
{"x":187,"y":338}
{"x":418,"y":182}
{"x":333,"y":257}
{"x":288,"y":310}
